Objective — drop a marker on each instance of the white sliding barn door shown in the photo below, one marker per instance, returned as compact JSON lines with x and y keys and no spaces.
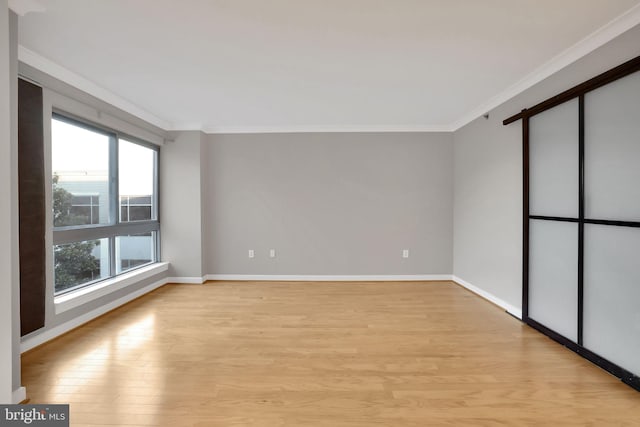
{"x":612,"y":247}
{"x":582,"y":248}
{"x":554,"y":201}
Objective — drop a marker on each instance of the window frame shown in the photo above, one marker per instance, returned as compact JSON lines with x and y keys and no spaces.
{"x":87,"y":232}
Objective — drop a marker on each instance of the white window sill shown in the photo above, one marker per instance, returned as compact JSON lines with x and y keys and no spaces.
{"x":84,"y":295}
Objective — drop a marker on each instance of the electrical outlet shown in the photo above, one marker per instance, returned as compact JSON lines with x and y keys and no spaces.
{"x":272,"y":253}
{"x":252,"y":253}
{"x":405,"y":253}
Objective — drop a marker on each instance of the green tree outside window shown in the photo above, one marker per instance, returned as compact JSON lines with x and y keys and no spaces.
{"x":74,"y":262}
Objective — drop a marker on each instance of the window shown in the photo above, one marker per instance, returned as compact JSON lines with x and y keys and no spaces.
{"x":104,"y":203}
{"x":86,"y":208}
{"x":135,"y":208}
{"x":134,"y":251}
{"x":136,"y":182}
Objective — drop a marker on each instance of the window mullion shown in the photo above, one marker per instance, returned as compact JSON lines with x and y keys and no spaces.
{"x":114,"y":196}
{"x":155,"y":200}
{"x":113,"y":180}
{"x":112,"y":255}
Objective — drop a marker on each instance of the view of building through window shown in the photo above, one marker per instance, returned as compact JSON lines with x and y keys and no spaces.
{"x":85,"y":196}
{"x":86,"y":208}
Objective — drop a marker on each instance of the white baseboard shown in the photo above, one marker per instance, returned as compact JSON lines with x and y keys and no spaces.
{"x":511,"y":309}
{"x":19,"y":395}
{"x":33,"y":341}
{"x":188,"y":280}
{"x":329,"y":278}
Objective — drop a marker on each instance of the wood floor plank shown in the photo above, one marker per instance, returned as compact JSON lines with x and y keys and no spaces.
{"x":320,"y":354}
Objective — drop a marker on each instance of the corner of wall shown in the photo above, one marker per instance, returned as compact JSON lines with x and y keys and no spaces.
{"x":19,"y":391}
{"x":204,"y":223}
{"x":9,"y":283}
{"x":181,"y":184}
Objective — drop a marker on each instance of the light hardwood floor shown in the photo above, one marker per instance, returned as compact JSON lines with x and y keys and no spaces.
{"x":320,"y":354}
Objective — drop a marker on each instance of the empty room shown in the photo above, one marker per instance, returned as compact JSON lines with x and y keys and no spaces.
{"x":320,"y":213}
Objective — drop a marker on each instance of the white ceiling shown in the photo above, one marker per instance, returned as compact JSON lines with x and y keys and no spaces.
{"x":283,"y":65}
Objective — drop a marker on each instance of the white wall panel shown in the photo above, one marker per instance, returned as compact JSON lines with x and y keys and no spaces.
{"x":612,"y":150}
{"x":553,"y":276}
{"x":553,"y":158}
{"x":612,"y":294}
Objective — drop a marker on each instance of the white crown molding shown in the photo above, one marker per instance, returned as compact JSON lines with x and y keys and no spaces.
{"x":186,"y":127}
{"x":61,"y":73}
{"x":598,"y":38}
{"x":22,"y":7}
{"x":312,"y":129}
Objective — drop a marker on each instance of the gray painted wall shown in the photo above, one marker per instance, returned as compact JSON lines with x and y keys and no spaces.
{"x":180,"y":204}
{"x":488,"y":178}
{"x":205,"y":223}
{"x":329,"y":204}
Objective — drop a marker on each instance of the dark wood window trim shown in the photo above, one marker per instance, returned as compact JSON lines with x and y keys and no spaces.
{"x":31,"y":196}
